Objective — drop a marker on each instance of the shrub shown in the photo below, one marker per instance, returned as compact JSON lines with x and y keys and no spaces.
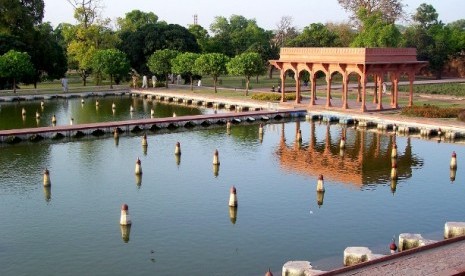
{"x":272,"y":96}
{"x":432,"y":111}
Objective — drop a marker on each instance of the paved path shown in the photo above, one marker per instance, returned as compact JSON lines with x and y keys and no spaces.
{"x":443,"y":258}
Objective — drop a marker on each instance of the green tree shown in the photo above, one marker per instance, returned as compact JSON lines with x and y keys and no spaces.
{"x":15,"y":65}
{"x":237,"y":35}
{"x":315,"y":35}
{"x":376,"y":31}
{"x":111,"y":62}
{"x":434,"y":41}
{"x":20,"y":16}
{"x":160,"y":62}
{"x":213,"y":64}
{"x":247,"y":65}
{"x":143,"y":42}
{"x":390,"y":10}
{"x":202,"y":37}
{"x":184,"y":64}
{"x":344,"y":31}
{"x":136,"y":19}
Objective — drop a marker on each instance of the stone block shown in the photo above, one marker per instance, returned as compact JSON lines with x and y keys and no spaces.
{"x":299,"y":268}
{"x":454,"y":229}
{"x":409,"y":241}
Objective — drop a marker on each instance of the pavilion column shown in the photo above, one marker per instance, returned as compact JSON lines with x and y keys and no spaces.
{"x":313,"y":89}
{"x":328,"y":89}
{"x":283,"y":85}
{"x":359,"y":88}
{"x":379,"y":80}
{"x":375,"y":89}
{"x":395,"y":90}
{"x":411,"y":79}
{"x":297,"y":88}
{"x":364,"y":92}
{"x":345,"y":90}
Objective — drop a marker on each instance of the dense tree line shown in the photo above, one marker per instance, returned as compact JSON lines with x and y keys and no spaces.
{"x":230,"y":45}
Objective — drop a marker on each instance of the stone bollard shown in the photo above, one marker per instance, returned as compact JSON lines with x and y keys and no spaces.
{"x":174,"y":114}
{"x":320,"y":187}
{"x":177,"y":149}
{"x":299,"y":268}
{"x":113,"y":106}
{"x":152,"y":113}
{"x":408,"y":241}
{"x":82,"y":101}
{"x":269,"y":273}
{"x":37,"y":115}
{"x":42,"y":104}
{"x":125,"y":219}
{"x":23,"y":111}
{"x":54,"y":119}
{"x":454,"y":229}
{"x":216,"y":159}
{"x":394,"y":151}
{"x":131,"y":109}
{"x":47,"y":182}
{"x":393,"y":186}
{"x":453,"y":161}
{"x":320,"y":196}
{"x":356,"y":255}
{"x":71,"y":121}
{"x":144,"y":140}
{"x":138,"y":169}
{"x":394,"y":171}
{"x":96,"y":103}
{"x":232,"y":197}
{"x":393,"y":246}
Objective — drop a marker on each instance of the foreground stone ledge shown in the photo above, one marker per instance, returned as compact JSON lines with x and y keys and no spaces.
{"x":408,"y":241}
{"x":356,"y":255}
{"x":299,"y":268}
{"x":454,"y":229}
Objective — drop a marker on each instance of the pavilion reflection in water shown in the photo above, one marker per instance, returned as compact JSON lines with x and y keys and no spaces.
{"x":365,"y":161}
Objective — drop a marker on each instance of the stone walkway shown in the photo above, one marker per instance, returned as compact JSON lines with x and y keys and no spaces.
{"x":442,"y":258}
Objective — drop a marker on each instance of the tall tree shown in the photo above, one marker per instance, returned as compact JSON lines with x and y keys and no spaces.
{"x":136,"y":19}
{"x":285,"y":31}
{"x":315,"y":35}
{"x":183,"y":64}
{"x":15,"y":65}
{"x":431,"y":37}
{"x":237,"y":35}
{"x":247,"y":65}
{"x":111,"y":62}
{"x":92,"y":33}
{"x":344,"y":31}
{"x":376,"y":31}
{"x":202,"y":37}
{"x":213,"y":64}
{"x":139,"y":45}
{"x":390,"y":10}
{"x":160,"y":62}
{"x":18,"y":17}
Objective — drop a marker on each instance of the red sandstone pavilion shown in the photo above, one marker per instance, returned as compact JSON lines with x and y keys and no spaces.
{"x":379,"y":63}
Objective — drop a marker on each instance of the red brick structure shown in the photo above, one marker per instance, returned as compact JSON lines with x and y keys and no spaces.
{"x":363,"y":62}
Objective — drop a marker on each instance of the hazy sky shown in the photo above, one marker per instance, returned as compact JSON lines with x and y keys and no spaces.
{"x":266,"y":12}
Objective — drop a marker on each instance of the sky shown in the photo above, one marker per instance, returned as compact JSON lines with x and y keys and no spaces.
{"x":267,"y":13}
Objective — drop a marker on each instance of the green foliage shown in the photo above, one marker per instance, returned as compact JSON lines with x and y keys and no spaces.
{"x":237,"y":36}
{"x":111,"y":62}
{"x":431,"y":111}
{"x":15,"y":65}
{"x":19,"y":17}
{"x":272,"y":96}
{"x":143,"y":42}
{"x":433,"y":40}
{"x":184,"y":63}
{"x":160,"y":62}
{"x":136,"y":19}
{"x":247,"y":65}
{"x":213,"y":64}
{"x":315,"y":35}
{"x":376,"y":31}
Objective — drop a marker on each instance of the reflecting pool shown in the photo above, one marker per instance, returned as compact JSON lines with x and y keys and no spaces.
{"x":87,"y":111}
{"x":179,"y":207}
